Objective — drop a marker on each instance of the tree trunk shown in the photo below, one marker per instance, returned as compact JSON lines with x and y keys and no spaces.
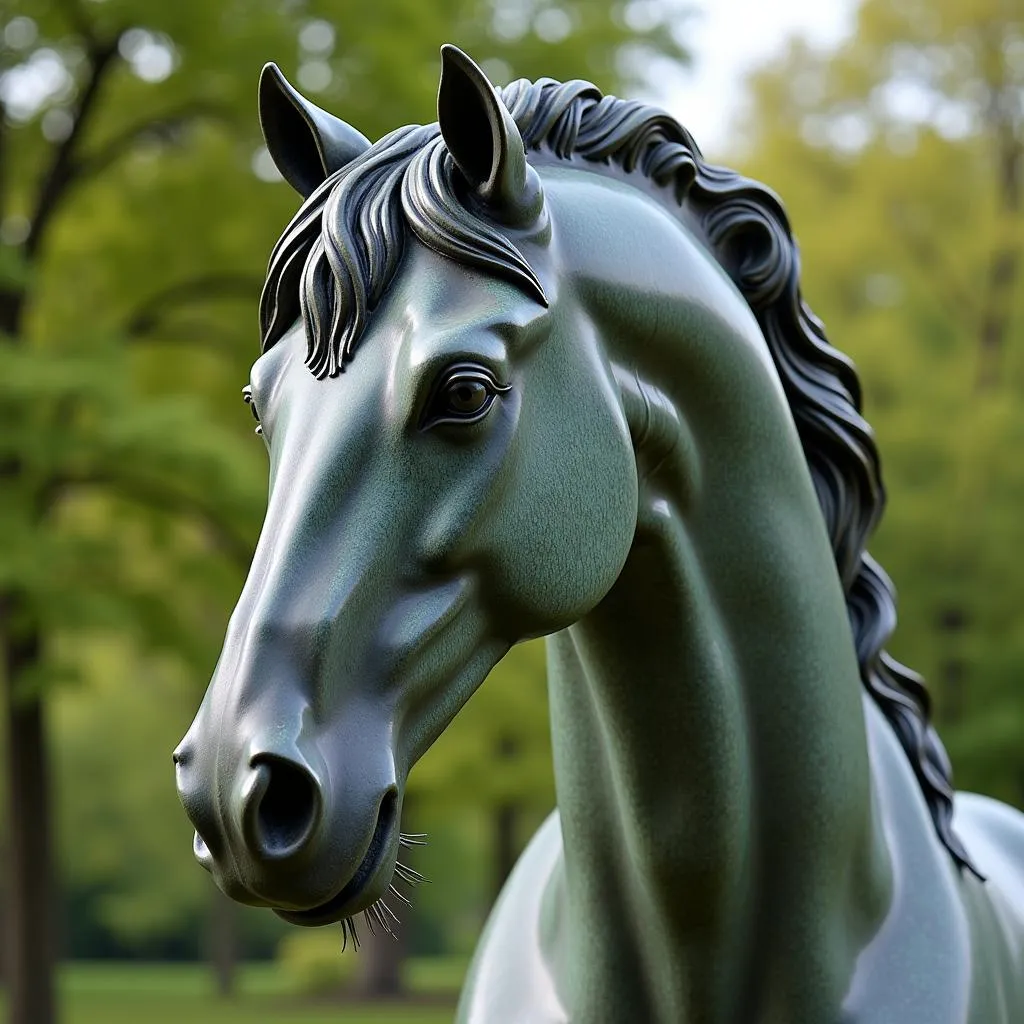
{"x":381,"y":955}
{"x":380,"y":960}
{"x":4,"y":877}
{"x":505,"y":822}
{"x":1000,"y":290}
{"x":3,"y":919}
{"x":1005,"y":259}
{"x":31,"y":945}
{"x":506,"y":849}
{"x":30,"y":918}
{"x":222,"y":942}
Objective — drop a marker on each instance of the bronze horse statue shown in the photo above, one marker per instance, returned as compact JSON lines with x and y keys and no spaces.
{"x":540,"y":370}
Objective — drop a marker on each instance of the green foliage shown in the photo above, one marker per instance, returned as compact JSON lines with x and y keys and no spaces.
{"x":499,"y":746}
{"x":311,"y":962}
{"x":123,"y":838}
{"x":137,"y":211}
{"x":901,"y":160}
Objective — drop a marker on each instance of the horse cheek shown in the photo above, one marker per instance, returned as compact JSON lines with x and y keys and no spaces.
{"x":571,"y":524}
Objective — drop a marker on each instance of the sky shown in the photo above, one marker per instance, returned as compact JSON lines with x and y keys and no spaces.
{"x":728,"y":39}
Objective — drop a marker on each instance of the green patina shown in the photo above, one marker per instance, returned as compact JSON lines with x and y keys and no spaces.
{"x":583,"y":398}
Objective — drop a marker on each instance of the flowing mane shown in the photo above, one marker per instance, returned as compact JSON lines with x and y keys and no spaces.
{"x":337,"y":257}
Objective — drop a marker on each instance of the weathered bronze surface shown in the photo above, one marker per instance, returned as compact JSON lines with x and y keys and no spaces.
{"x":540,"y":370}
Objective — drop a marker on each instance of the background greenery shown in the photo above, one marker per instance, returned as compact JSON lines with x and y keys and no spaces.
{"x":137,"y":209}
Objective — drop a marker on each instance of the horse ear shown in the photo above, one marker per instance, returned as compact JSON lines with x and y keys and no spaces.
{"x":307,"y":144}
{"x":484,"y":140}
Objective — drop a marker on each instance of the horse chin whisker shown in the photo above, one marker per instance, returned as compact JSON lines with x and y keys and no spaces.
{"x":368,"y":918}
{"x":348,"y":927}
{"x":379,"y":913}
{"x":383,"y":905}
{"x":373,"y":913}
{"x":398,"y":895}
{"x":408,"y":875}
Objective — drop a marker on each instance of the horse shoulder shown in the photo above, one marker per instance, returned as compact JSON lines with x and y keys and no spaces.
{"x":917,"y":967}
{"x":949,"y":951}
{"x":514,"y":975}
{"x":993,"y":834}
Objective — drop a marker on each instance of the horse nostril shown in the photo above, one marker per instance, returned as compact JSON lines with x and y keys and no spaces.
{"x":283,"y":807}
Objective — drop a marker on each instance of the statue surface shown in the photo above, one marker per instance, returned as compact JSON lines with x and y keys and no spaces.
{"x":540,"y":370}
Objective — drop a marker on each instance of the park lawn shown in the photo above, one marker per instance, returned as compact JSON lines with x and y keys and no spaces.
{"x":105,"y":993}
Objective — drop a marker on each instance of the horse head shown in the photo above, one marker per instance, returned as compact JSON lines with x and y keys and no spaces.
{"x":429,"y":507}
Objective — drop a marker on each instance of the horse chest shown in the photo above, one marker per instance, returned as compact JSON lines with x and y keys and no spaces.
{"x":514,"y":977}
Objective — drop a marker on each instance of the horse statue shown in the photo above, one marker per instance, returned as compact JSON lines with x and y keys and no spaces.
{"x":538,"y":369}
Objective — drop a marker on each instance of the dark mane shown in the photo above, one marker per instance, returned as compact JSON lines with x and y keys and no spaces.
{"x":343,"y":248}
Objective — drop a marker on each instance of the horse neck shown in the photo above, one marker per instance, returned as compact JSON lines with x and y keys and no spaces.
{"x":722,"y":856}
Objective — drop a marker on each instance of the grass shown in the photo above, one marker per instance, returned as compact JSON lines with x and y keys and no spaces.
{"x":105,"y":993}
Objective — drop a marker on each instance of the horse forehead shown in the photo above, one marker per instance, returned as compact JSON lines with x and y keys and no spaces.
{"x":438,"y":305}
{"x":434,"y":307}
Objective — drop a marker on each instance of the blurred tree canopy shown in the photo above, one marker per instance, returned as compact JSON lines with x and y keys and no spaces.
{"x":137,"y":209}
{"x":901,"y":159}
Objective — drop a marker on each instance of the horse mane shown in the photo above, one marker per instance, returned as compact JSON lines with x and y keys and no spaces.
{"x":337,"y":257}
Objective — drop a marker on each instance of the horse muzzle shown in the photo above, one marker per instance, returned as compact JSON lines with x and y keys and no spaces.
{"x":272,"y":829}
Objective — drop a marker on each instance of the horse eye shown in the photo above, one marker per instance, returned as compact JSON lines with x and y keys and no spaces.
{"x":247,"y":398}
{"x":465,"y":395}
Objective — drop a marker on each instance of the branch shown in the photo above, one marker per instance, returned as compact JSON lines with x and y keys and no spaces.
{"x":164,"y":128}
{"x":197,"y":332}
{"x":244,"y":287}
{"x":62,"y":167}
{"x":78,"y":21}
{"x":3,"y":154}
{"x":237,"y":547}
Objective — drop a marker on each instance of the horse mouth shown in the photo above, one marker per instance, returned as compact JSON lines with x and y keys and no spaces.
{"x":345,"y":903}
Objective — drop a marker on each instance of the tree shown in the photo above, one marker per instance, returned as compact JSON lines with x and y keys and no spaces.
{"x":132,"y":229}
{"x":124,"y":849}
{"x":900,"y":156}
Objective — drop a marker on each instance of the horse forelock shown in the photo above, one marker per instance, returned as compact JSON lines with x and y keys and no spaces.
{"x":339,"y":254}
